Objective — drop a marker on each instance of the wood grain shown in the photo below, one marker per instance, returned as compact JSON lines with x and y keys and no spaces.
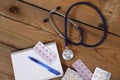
{"x":26,"y":13}
{"x":16,"y":32}
{"x":110,"y":8}
{"x":6,"y":77}
{"x":6,"y":71}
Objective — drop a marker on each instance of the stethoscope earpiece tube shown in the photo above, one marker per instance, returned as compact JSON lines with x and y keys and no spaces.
{"x":67,"y":41}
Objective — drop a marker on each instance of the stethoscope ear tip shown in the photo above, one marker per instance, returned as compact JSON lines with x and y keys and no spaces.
{"x":45,"y":20}
{"x":58,"y":8}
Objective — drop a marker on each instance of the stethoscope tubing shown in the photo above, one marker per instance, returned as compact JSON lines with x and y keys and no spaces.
{"x":81,"y":42}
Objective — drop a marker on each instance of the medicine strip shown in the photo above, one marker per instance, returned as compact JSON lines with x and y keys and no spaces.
{"x":82,"y":69}
{"x":100,"y":74}
{"x":48,"y":55}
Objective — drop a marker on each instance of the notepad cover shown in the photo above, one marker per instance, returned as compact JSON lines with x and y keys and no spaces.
{"x":24,"y":69}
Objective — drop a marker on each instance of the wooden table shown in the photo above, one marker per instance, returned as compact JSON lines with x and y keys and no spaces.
{"x":21,"y":26}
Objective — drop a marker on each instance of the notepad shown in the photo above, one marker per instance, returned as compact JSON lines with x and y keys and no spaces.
{"x":25,"y":69}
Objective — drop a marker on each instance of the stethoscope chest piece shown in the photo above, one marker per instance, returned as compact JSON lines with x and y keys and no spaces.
{"x":67,"y":54}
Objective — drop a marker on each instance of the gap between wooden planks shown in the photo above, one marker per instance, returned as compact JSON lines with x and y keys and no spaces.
{"x":27,"y":14}
{"x":110,"y":8}
{"x":18,"y":35}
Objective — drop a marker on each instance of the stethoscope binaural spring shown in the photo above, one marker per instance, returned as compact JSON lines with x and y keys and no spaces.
{"x":67,"y":53}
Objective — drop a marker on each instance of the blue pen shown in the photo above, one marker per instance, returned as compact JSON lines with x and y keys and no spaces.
{"x":44,"y":65}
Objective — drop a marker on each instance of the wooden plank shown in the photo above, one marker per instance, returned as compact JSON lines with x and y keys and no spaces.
{"x":24,"y":13}
{"x":29,"y":14}
{"x":81,"y":13}
{"x":13,"y":39}
{"x":112,"y":12}
{"x":6,"y":71}
{"x":5,"y":77}
{"x":16,"y":33}
{"x":65,"y":4}
{"x":101,"y":56}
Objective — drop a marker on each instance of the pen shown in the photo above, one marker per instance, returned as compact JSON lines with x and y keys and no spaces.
{"x":44,"y":65}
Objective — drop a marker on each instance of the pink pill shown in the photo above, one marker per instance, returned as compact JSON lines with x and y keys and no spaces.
{"x":50,"y":53}
{"x":75,"y":64}
{"x":78,"y":68}
{"x":50,"y":60}
{"x":54,"y":56}
{"x":39,"y":50}
{"x":82,"y":72}
{"x":79,"y":62}
{"x":40,"y":44}
{"x":46,"y":56}
{"x":43,"y":47}
{"x":43,"y":54}
{"x":88,"y":72}
{"x":46,"y":50}
{"x":82,"y":65}
{"x":36,"y":47}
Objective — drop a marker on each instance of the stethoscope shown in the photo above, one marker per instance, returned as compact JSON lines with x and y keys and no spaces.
{"x":68,"y":54}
